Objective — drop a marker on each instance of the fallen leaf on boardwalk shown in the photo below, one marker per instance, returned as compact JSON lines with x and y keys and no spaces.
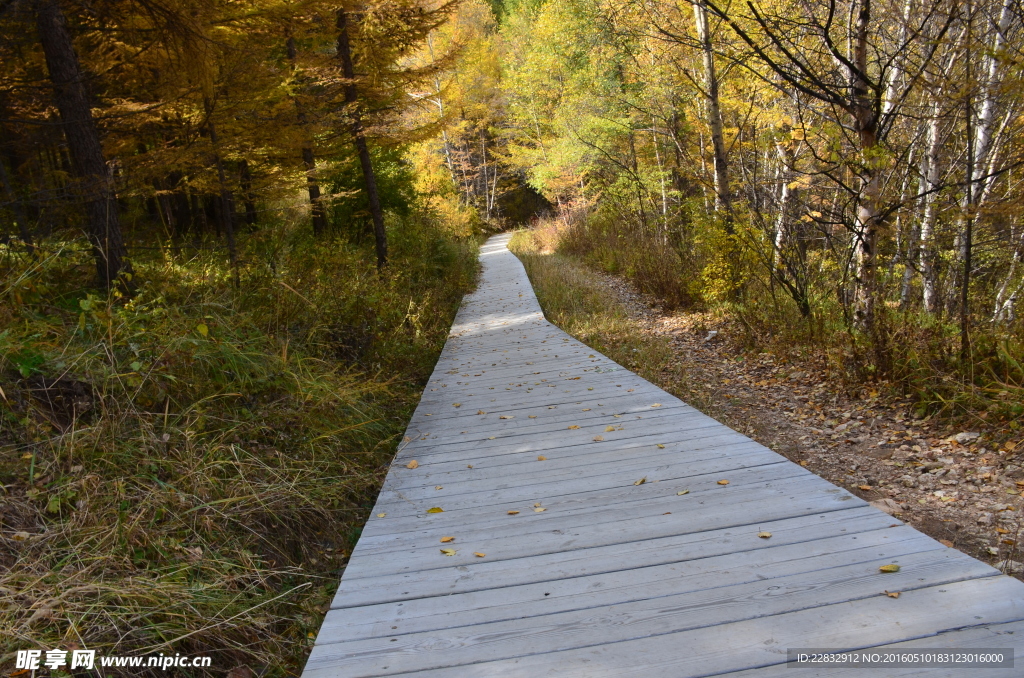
{"x":656,"y":405}
{"x":947,"y":543}
{"x":723,"y":482}
{"x":456,"y":404}
{"x":591,"y":388}
{"x":512,"y":513}
{"x":598,"y":439}
{"x":889,"y":568}
{"x":491,"y":438}
{"x":533,"y":416}
{"x":682,"y":492}
{"x":438,"y":487}
{"x":764,"y":535}
{"x":892,"y":594}
{"x":381,"y":515}
{"x":479,"y":555}
{"x":469,"y":466}
{"x":667,"y":513}
{"x":609,"y":428}
{"x":445,"y":540}
{"x":537,"y":504}
{"x":574,"y":426}
{"x":449,"y":552}
{"x":585,"y":409}
{"x":406,"y":439}
{"x":660,"y":446}
{"x":629,"y":390}
{"x":539,"y":509}
{"x":436,"y":509}
{"x":542,"y":458}
{"x":641,"y":481}
{"x":506,"y":417}
{"x":412,"y":464}
{"x":480,"y":412}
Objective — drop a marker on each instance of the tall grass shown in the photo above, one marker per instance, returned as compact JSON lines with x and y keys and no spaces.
{"x":186,"y":471}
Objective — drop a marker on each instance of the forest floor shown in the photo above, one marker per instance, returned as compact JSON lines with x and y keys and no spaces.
{"x":951,"y":481}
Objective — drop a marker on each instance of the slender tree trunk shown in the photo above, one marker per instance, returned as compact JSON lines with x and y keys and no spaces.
{"x":19,"y":208}
{"x":317,"y":209}
{"x":723,"y":197}
{"x":227,"y":211}
{"x":359,"y":138}
{"x":72,"y":100}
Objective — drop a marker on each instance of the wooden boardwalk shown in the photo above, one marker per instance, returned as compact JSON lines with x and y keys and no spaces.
{"x":611,"y":544}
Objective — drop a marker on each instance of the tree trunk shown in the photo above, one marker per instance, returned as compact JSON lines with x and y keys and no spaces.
{"x":317,"y":209}
{"x":358,"y":137}
{"x":723,"y":198}
{"x":19,"y":208}
{"x":72,"y":100}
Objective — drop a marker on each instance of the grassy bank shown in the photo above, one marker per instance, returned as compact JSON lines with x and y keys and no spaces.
{"x":186,"y":471}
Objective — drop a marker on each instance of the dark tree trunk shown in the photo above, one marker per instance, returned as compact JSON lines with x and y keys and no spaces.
{"x":18,"y":206}
{"x":249,"y":199}
{"x":352,"y":99}
{"x":72,"y":100}
{"x":317,"y":209}
{"x":226,"y":202}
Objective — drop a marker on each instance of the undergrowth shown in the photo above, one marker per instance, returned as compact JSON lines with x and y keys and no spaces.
{"x":186,"y":471}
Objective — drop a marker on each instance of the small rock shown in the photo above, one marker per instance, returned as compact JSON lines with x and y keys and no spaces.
{"x":966,"y":437}
{"x":992,"y":551}
{"x":1010,"y":566}
{"x":985,"y":519}
{"x":887,"y":505}
{"x":711,"y":335}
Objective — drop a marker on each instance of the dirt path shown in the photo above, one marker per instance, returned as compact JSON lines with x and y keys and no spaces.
{"x":954,"y":484}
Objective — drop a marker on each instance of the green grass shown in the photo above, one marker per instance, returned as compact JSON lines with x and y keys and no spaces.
{"x":188,"y":470}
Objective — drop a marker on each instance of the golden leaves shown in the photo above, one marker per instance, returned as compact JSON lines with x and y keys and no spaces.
{"x":203,"y":329}
{"x":479,"y":555}
{"x":381,"y":515}
{"x":892,"y":594}
{"x":513,"y":513}
{"x":598,"y":439}
{"x":682,"y":492}
{"x":456,"y":404}
{"x":723,"y":482}
{"x":641,"y":481}
{"x":660,"y":446}
{"x":764,"y":535}
{"x":539,"y":509}
{"x":889,"y":568}
{"x":608,"y":429}
{"x":480,"y":412}
{"x":656,"y":405}
{"x":445,"y":540}
{"x":542,"y":458}
{"x":413,"y":464}
{"x":449,"y":552}
{"x":436,"y":509}
{"x":506,"y":416}
{"x":573,"y":427}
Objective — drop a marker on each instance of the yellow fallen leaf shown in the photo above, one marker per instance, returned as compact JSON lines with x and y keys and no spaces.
{"x":533,"y":416}
{"x":723,"y":482}
{"x":574,"y":426}
{"x":656,"y":405}
{"x":480,"y":412}
{"x":537,"y":504}
{"x":449,"y":552}
{"x":641,"y":481}
{"x":892,"y":594}
{"x":436,"y":509}
{"x":591,"y":388}
{"x":202,"y":329}
{"x":412,"y":464}
{"x":479,"y":555}
{"x":764,"y":535}
{"x":629,"y":390}
{"x":469,"y":466}
{"x":947,"y":543}
{"x":506,"y":417}
{"x":456,"y":404}
{"x":682,"y":492}
{"x":889,"y":568}
{"x":585,"y":409}
{"x":609,"y":428}
{"x":438,"y":487}
{"x":542,"y":458}
{"x":20,"y":536}
{"x":598,"y":439}
{"x":513,"y":513}
{"x":660,"y":446}
{"x":864,"y":487}
{"x":1002,"y":531}
{"x":445,"y":540}
{"x":491,"y":438}
{"x":803,"y":463}
{"x":539,"y":509}
{"x":381,"y":515}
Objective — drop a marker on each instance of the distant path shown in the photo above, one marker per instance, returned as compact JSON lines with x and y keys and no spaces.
{"x":597,"y":575}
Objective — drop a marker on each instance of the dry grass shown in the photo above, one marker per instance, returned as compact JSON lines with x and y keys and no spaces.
{"x":187,"y":472}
